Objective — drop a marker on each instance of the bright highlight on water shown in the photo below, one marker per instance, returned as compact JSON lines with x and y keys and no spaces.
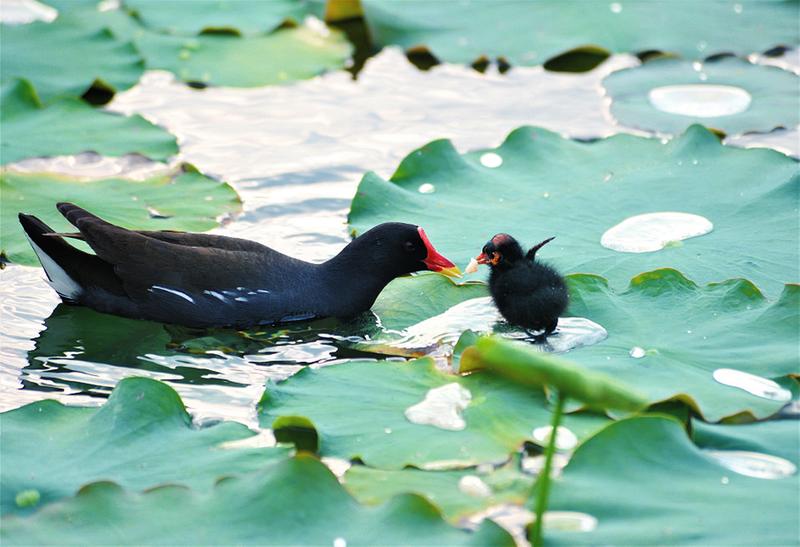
{"x":654,"y":231}
{"x":700,"y":100}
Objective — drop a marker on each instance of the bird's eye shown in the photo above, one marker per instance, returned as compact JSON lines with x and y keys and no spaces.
{"x":409,"y":246}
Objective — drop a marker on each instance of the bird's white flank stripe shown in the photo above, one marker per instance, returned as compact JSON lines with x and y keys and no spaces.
{"x":175,"y":292}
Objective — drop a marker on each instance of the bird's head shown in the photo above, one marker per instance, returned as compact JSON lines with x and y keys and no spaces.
{"x":399,"y":249}
{"x":503,"y":251}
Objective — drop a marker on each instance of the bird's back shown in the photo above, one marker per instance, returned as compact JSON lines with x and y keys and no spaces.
{"x":530,"y":294}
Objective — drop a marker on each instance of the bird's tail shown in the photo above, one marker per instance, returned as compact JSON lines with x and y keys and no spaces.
{"x":59,"y":259}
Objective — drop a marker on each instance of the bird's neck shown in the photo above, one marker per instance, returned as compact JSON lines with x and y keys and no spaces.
{"x":354,"y":285}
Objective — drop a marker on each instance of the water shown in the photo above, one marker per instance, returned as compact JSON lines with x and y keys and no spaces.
{"x":480,"y":315}
{"x":474,"y":486}
{"x":295,"y":154}
{"x":700,"y":100}
{"x":755,"y":385}
{"x":441,"y":407}
{"x":654,"y":231}
{"x":754,"y":464}
{"x":637,"y":353}
{"x":565,"y":438}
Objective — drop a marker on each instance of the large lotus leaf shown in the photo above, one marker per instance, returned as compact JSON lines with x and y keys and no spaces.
{"x":141,"y":437}
{"x":531,"y":32}
{"x":239,"y":16}
{"x":224,"y":59}
{"x":547,"y":185}
{"x":647,"y":484}
{"x":294,"y":502}
{"x":457,"y":493}
{"x":158,"y":203}
{"x":669,"y":95}
{"x":67,"y":56}
{"x":667,"y":337}
{"x":69,"y":126}
{"x":358,"y":410}
{"x":776,"y":437}
{"x":407,"y":301}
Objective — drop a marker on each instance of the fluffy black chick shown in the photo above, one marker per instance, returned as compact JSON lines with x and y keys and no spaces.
{"x":528,"y":293}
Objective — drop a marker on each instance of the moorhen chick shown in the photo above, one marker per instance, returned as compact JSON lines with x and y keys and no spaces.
{"x":203,"y":280}
{"x":527,"y":292}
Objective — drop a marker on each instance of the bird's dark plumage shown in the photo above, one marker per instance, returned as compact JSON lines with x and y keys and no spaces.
{"x":528,"y":293}
{"x":210,"y":280}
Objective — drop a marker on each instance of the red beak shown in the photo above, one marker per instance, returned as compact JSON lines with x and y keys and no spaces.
{"x":436,"y":262}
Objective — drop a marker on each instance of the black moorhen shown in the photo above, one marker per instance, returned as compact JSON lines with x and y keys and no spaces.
{"x":202,"y":280}
{"x":527,"y":293}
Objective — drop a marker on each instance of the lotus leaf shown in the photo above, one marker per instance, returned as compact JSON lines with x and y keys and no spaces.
{"x":777,"y":437}
{"x":531,"y":32}
{"x":82,"y":51}
{"x":407,"y":301}
{"x":238,"y":16}
{"x":141,"y":437}
{"x":69,"y":126}
{"x":358,"y":409}
{"x":668,"y":336}
{"x":296,"y":501}
{"x":754,"y":97}
{"x":456,"y":496}
{"x":525,"y":365}
{"x":158,"y":203}
{"x":221,"y":59}
{"x":538,"y":184}
{"x":647,"y":484}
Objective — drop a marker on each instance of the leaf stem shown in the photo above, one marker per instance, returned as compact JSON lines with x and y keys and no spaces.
{"x":543,"y":483}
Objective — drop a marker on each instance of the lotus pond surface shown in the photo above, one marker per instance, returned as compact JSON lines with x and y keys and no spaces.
{"x":693,"y":303}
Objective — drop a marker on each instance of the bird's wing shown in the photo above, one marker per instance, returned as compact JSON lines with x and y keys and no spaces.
{"x":531,"y":254}
{"x":142,"y":260}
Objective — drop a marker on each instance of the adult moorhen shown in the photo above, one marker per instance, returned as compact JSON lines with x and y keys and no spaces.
{"x":527,"y":293}
{"x":203,"y":280}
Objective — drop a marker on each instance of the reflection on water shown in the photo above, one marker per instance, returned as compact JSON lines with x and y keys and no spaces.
{"x":700,"y":100}
{"x":295,"y":153}
{"x":654,"y":231}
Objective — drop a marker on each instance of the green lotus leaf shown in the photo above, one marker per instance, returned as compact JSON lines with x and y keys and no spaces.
{"x":294,"y":502}
{"x":409,"y":300}
{"x":69,"y":126}
{"x":228,"y":60}
{"x":776,"y":437}
{"x":527,"y":366}
{"x":647,"y":484}
{"x":158,"y":203}
{"x":456,"y":496}
{"x":82,"y":51}
{"x":529,"y":33}
{"x":669,"y":337}
{"x":538,"y":184}
{"x":238,"y":16}
{"x":141,"y":437}
{"x":359,"y":411}
{"x":668,"y":95}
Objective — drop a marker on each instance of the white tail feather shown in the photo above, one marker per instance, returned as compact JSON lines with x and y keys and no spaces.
{"x":62,"y":283}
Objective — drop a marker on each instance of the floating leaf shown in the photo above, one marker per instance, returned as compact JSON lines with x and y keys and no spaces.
{"x":359,"y":410}
{"x":647,"y":484}
{"x":669,"y":338}
{"x":457,"y":493}
{"x":776,"y":437}
{"x":409,"y":300}
{"x":220,"y":59}
{"x":296,"y":501}
{"x":238,"y":16}
{"x":141,"y":437}
{"x":66,"y":57}
{"x":69,"y":126}
{"x":538,"y":184}
{"x":125,"y":202}
{"x":732,"y":95}
{"x":527,"y":366}
{"x":530,"y":33}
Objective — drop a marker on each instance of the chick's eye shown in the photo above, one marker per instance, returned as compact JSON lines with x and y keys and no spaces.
{"x":409,"y":246}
